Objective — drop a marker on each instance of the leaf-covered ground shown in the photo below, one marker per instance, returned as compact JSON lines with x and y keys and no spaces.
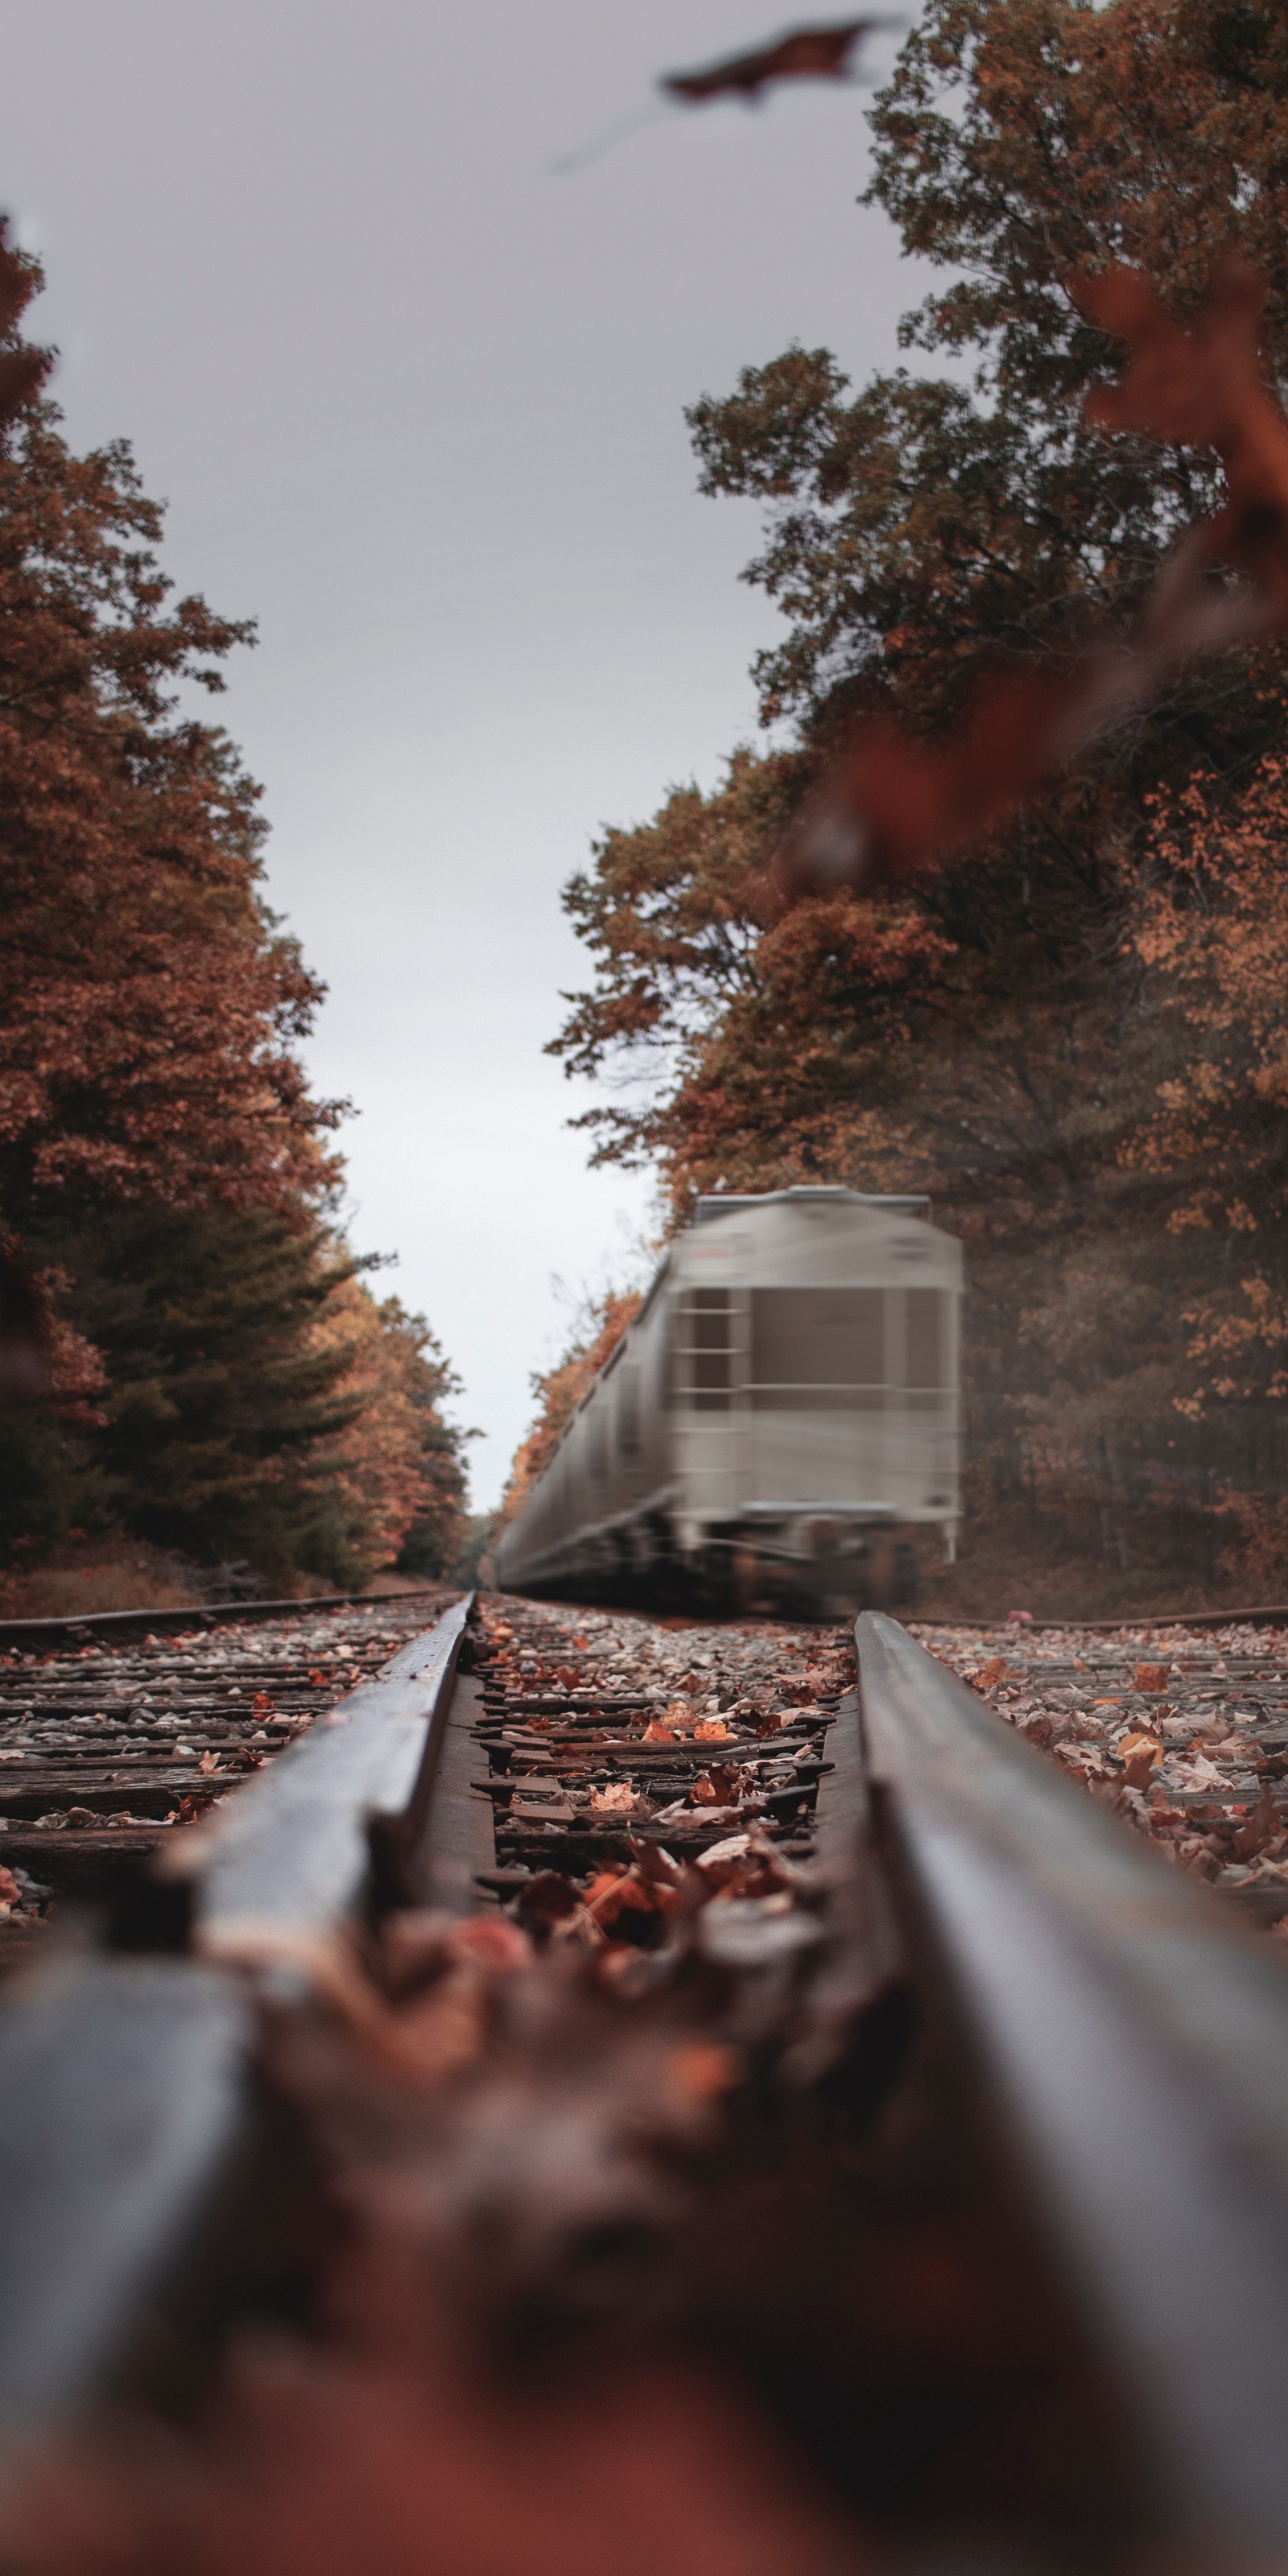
{"x":1182,"y":1731}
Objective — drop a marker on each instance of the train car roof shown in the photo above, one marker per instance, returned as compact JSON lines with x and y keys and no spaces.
{"x":728,"y":1203}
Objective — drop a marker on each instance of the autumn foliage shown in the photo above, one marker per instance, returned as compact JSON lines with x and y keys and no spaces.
{"x":889,"y":808}
{"x":1026,"y":826}
{"x":166,"y":1173}
{"x":559,"y":1390}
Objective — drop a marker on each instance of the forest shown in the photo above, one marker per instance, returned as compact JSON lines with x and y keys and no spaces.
{"x":232,"y":1404}
{"x":1072,"y":1035}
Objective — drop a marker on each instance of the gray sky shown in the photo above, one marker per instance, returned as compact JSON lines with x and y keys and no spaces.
{"x":415,"y":404}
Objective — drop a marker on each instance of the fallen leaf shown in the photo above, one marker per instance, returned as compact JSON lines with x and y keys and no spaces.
{"x":732,"y":1848}
{"x":618,"y":1800}
{"x":632,"y":1893}
{"x":1152,"y":1677}
{"x":547,"y":1897}
{"x":1140,"y":1755}
{"x":602,"y":1885}
{"x":654,"y":1863}
{"x":1082,"y":1757}
{"x":1196,"y":1772}
{"x":700,"y":2070}
{"x":1261,"y":1827}
{"x":712,"y":1730}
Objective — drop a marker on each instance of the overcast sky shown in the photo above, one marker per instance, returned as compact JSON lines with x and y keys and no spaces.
{"x":415,"y":404}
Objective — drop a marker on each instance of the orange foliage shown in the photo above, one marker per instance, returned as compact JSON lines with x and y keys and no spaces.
{"x":395,"y":1462}
{"x":1213,"y":933}
{"x":149,"y":1006}
{"x":892,"y":807}
{"x":561,"y":1389}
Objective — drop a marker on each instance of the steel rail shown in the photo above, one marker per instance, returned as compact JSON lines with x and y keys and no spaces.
{"x":74,"y":1626}
{"x":1134,"y":2041}
{"x":132,"y":2142}
{"x":293,"y":1848}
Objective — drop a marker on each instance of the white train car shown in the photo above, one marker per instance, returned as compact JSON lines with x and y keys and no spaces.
{"x":778,"y":1427}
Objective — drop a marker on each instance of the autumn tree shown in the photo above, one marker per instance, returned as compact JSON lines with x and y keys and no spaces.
{"x":596,"y":1333}
{"x":992,"y":1036}
{"x":149,"y":1003}
{"x":225,"y":1385}
{"x":392,"y":1479}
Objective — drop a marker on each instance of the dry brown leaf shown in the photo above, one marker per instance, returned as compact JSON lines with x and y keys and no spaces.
{"x":619,"y":1799}
{"x":631,"y":1893}
{"x":1260,"y":1829}
{"x":1140,"y":1755}
{"x":732,"y":1848}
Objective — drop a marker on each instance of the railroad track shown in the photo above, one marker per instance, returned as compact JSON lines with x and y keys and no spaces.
{"x":994,"y":2215}
{"x":116,"y":1731}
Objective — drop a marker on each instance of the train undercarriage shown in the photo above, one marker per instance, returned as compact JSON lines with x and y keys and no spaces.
{"x":811,"y":1566}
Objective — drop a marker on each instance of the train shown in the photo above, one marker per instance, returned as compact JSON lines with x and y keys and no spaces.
{"x":779,"y":1428}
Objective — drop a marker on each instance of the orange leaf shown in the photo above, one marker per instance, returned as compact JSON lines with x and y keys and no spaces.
{"x":700,"y":2069}
{"x":1139,"y":1756}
